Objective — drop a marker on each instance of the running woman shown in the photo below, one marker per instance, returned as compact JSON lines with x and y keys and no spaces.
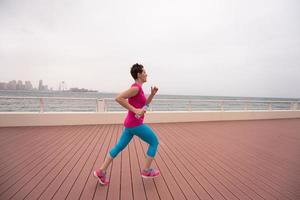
{"x":134,"y":125}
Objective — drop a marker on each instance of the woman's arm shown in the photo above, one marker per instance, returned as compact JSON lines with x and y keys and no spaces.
{"x":153,"y":92}
{"x":149,"y":99}
{"x":122,"y":100}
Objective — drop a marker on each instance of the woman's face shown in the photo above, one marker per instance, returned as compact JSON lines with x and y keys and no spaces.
{"x":143,"y":76}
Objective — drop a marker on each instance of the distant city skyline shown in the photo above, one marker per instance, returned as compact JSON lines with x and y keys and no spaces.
{"x":41,"y":87}
{"x":18,"y":85}
{"x":208,"y":48}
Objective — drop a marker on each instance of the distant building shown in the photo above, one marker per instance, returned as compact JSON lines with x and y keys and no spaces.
{"x":12,"y":85}
{"x":78,"y":90}
{"x":20,"y":85}
{"x":28,"y":85}
{"x":3,"y":86}
{"x":81,"y":90}
{"x":41,"y":85}
{"x":62,"y":86}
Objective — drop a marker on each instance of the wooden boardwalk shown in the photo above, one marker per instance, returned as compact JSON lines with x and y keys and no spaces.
{"x":203,"y":160}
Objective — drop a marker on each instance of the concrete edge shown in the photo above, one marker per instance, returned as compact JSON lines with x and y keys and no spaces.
{"x":70,"y":118}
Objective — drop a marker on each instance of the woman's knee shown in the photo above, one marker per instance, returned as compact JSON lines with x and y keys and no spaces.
{"x":122,"y":143}
{"x":116,"y":150}
{"x":154,"y":140}
{"x":153,"y":148}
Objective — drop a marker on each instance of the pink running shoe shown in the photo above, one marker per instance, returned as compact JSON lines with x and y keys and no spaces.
{"x":150,"y":173}
{"x":103,"y":180}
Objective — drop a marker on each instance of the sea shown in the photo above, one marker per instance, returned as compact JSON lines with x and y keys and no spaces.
{"x":88,"y":102}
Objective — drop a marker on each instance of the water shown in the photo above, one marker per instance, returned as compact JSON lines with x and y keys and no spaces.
{"x":178,"y":103}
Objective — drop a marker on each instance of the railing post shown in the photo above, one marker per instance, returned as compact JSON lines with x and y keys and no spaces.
{"x":105,"y":105}
{"x":100,"y":105}
{"x":97,"y":105}
{"x":294,"y":106}
{"x":270,"y":106}
{"x":222,"y":105}
{"x":190,"y":106}
{"x":41,"y":105}
{"x":246,"y":106}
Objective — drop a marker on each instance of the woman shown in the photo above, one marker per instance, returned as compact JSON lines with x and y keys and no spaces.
{"x":134,"y":125}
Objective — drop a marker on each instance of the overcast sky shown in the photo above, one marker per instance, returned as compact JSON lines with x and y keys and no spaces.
{"x":215,"y":48}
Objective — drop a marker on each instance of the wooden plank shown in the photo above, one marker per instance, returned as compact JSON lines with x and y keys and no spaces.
{"x":250,"y":141}
{"x":73,"y":174}
{"x":126,"y":181}
{"x":199,"y":181}
{"x":30,"y":186}
{"x":23,"y":165}
{"x":41,"y":169}
{"x":203,"y":156}
{"x":24,"y":141}
{"x":264,"y":190}
{"x":149,"y":185}
{"x":203,"y":160}
{"x":137,"y":182}
{"x":180,"y":178}
{"x":267,"y":183}
{"x":230,"y":181}
{"x":173,"y":187}
{"x":25,"y":156}
{"x":102,"y":191}
{"x":115,"y":174}
{"x":92,"y":184}
{"x":266,"y":169}
{"x":64,"y":168}
{"x":209,"y":150}
{"x":201,"y":170}
{"x":82,"y":179}
{"x":9,"y":135}
{"x":12,"y":147}
{"x":160,"y":182}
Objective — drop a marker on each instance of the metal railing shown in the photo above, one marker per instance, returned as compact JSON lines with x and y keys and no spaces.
{"x":41,"y":101}
{"x":109,"y":104}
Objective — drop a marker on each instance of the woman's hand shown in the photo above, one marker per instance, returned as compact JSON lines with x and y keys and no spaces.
{"x":154,"y":90}
{"x":140,"y":111}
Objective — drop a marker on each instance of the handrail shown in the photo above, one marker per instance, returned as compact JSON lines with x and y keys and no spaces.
{"x":211,"y":100}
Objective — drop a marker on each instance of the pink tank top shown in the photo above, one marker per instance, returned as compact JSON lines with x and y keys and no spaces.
{"x":137,"y":101}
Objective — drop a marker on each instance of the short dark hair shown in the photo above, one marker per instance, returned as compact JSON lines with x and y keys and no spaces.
{"x":135,"y":69}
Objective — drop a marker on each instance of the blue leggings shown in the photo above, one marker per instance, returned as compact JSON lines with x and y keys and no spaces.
{"x":142,"y":131}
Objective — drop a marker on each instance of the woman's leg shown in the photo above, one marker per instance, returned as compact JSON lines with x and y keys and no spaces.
{"x":106,"y":163}
{"x":146,"y":134}
{"x":122,"y":143}
{"x":148,"y":162}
